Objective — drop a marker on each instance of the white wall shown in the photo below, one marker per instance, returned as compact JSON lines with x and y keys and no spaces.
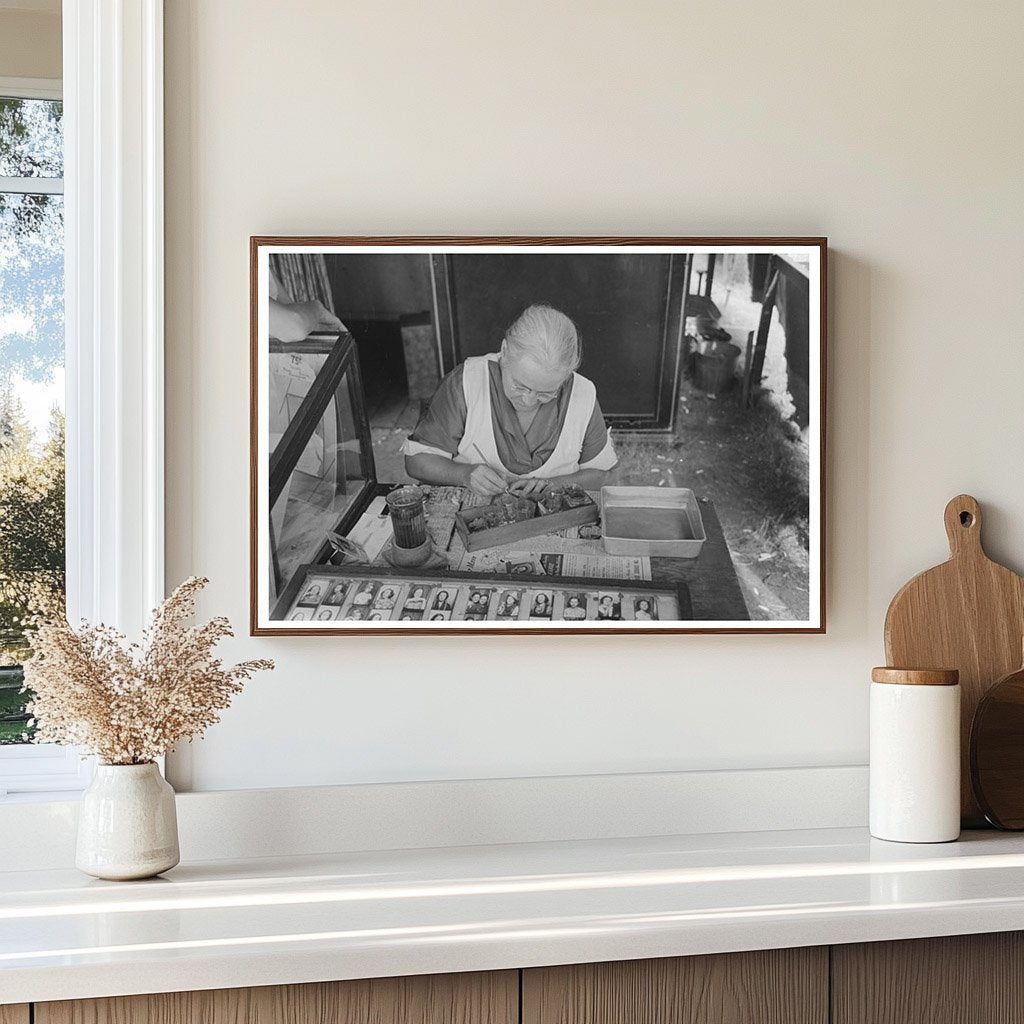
{"x":894,"y":129}
{"x":30,"y":41}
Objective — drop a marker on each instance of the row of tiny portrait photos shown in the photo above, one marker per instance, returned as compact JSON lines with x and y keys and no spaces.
{"x":326,"y":600}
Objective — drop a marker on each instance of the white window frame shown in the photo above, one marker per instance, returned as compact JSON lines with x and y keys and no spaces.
{"x":114,"y":345}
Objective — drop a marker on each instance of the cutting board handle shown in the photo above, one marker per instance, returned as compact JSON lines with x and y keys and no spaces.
{"x":963,"y":526}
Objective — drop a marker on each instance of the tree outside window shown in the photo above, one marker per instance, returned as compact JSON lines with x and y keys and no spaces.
{"x":31,"y":386}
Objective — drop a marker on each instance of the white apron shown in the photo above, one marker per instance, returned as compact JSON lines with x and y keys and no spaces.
{"x":478,"y":440}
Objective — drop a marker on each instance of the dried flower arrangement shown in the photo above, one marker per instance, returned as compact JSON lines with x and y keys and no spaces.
{"x":130,"y":703}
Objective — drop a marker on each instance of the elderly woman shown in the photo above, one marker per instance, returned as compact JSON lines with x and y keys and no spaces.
{"x":521,"y":419}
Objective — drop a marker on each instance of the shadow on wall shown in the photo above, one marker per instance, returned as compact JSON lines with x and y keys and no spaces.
{"x":847,"y":428}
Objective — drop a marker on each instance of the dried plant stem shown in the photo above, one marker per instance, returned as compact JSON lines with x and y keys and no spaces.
{"x":129,"y":703}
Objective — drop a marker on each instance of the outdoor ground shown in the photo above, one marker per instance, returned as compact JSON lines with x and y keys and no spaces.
{"x":718,"y":450}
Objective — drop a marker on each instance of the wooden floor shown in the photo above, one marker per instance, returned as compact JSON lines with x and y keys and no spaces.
{"x":395,"y":411}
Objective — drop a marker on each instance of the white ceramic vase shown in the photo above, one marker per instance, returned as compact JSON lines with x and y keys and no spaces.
{"x":127,"y":825}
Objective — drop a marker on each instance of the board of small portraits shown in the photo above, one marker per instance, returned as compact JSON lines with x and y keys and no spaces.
{"x":336,"y":595}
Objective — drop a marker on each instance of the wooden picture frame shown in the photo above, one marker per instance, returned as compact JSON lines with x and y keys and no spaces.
{"x":315,"y":448}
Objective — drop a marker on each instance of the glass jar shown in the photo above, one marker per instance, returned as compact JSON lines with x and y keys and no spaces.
{"x":408,"y":518}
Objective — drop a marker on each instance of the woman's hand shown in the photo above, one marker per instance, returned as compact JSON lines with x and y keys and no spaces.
{"x":430,"y":468}
{"x":529,"y":486}
{"x":485,"y":481}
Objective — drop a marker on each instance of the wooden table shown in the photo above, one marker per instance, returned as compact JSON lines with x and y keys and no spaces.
{"x":711,"y":581}
{"x":714,"y":585}
{"x":711,"y":578}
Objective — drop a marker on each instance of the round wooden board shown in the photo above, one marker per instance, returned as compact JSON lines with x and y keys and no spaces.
{"x":997,"y":752}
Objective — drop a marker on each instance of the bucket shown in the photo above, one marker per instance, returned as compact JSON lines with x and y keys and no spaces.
{"x":716,"y":366}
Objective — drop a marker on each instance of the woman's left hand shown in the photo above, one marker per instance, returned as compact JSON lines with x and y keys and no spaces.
{"x":529,"y":486}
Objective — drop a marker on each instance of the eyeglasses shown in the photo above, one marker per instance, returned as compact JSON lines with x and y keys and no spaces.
{"x":525,"y":392}
{"x":518,"y":388}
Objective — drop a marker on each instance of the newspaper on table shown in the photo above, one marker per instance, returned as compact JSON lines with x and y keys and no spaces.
{"x":373,"y":530}
{"x":556,"y":563}
{"x":575,"y":551}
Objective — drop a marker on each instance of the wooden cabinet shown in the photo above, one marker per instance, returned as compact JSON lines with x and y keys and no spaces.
{"x":961,"y":979}
{"x":491,"y":998}
{"x":967,"y":979}
{"x":777,"y":986}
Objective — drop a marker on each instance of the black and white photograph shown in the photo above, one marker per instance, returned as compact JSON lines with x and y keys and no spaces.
{"x":509,"y":603}
{"x":365,"y":595}
{"x":588,"y":414}
{"x":609,"y":606}
{"x":337,"y":594}
{"x":541,"y":604}
{"x":574,"y":607}
{"x":478,"y":604}
{"x":416,"y":601}
{"x":386,"y":599}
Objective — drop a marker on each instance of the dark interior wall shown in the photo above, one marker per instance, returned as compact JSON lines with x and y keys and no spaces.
{"x":618,"y":302}
{"x":379,"y":286}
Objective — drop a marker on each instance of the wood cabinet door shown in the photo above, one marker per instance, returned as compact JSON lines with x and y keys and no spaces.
{"x":481,"y":998}
{"x":959,"y":979}
{"x":14,"y":1014}
{"x":778,"y":986}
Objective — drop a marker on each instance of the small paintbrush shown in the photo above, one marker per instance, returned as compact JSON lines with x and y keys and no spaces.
{"x":509,"y":478}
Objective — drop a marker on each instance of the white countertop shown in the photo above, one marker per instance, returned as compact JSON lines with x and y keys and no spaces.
{"x":354,"y":915}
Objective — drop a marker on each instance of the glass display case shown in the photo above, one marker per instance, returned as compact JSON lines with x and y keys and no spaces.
{"x":321,"y":455}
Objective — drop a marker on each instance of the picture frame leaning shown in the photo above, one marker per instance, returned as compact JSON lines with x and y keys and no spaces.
{"x":596,"y":434}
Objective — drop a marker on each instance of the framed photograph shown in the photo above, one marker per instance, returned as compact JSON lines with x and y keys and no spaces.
{"x":524,"y":435}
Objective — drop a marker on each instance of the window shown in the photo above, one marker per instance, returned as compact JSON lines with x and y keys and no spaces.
{"x":113,"y":329}
{"x":32,"y":532}
{"x":31,"y":382}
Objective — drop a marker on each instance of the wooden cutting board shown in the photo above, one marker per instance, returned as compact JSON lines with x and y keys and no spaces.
{"x":967,"y":614}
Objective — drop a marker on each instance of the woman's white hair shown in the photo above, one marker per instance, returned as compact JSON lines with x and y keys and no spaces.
{"x":547,"y":336}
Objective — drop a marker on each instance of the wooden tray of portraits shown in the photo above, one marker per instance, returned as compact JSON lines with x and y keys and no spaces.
{"x":326,"y":596}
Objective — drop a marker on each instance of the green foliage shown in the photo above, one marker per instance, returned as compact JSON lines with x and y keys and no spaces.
{"x":31,"y":548}
{"x":31,"y":525}
{"x":14,"y":727}
{"x":31,"y":146}
{"x":31,"y":142}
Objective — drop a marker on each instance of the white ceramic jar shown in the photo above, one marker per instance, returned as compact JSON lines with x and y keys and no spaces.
{"x":915,"y":755}
{"x":127,"y":823}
